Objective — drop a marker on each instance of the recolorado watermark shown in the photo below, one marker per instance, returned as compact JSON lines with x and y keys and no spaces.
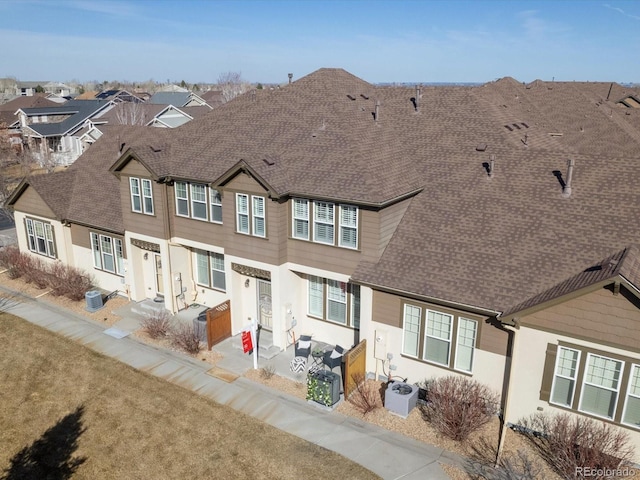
{"x":586,"y":472}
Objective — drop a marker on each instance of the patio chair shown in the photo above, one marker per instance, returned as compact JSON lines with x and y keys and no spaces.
{"x":333,"y":358}
{"x":303,"y":346}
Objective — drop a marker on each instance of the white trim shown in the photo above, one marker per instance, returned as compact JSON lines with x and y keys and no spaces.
{"x":183,"y":199}
{"x":192,"y":187}
{"x":147,"y":211}
{"x":418,"y":333}
{"x":574,"y":379}
{"x":134,"y":195}
{"x":594,"y":385}
{"x":426,"y":336}
{"x":242,"y":212}
{"x":295,"y":217}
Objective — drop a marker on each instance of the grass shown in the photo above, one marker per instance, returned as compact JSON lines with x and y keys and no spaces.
{"x":89,"y":416}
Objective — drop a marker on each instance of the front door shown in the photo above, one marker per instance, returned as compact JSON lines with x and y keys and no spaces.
{"x":264,"y":304}
{"x":159,"y":279}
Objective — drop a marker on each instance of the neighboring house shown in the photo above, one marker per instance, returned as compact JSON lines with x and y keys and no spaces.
{"x":179,"y":99}
{"x":118,"y":96}
{"x":28,"y":89}
{"x":213,"y":98}
{"x":51,"y":132}
{"x":487,"y":231}
{"x":60,"y":89}
{"x":129,"y":113}
{"x":10,"y":120}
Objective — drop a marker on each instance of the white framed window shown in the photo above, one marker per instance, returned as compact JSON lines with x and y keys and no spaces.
{"x":465,"y":346}
{"x":40,"y":237}
{"x":411,"y":330}
{"x":565,"y":376}
{"x":147,"y":196}
{"x":216,"y":205}
{"x":182,"y":199}
{"x":136,"y":198}
{"x":108,"y":253}
{"x":333,"y":301}
{"x":242,"y":213}
{"x":631,"y":413}
{"x":325,"y":222}
{"x":337,"y":301}
{"x":300,"y":227}
{"x":198,"y":201}
{"x":323,"y":227}
{"x":259,"y":222}
{"x":210,"y":270}
{"x":316,"y":296}
{"x":600,"y":386}
{"x":141,"y":195}
{"x":348,"y":237}
{"x":438,"y":337}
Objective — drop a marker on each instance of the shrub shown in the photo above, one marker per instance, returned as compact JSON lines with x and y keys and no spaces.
{"x":267,"y":372}
{"x":36,"y":272}
{"x":69,"y":281}
{"x":457,"y":406}
{"x":520,"y":465}
{"x":576,"y":446}
{"x":366,"y":397}
{"x":16,"y":262}
{"x":184,"y":337}
{"x":157,"y":324}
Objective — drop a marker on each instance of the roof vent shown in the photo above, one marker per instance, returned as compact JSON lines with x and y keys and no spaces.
{"x":155,"y":149}
{"x":268,"y":162}
{"x":366,"y":97}
{"x":492,"y":165}
{"x":566,"y":190}
{"x":481,"y":148}
{"x":290,"y":75}
{"x":376,"y":114}
{"x":351,"y":97}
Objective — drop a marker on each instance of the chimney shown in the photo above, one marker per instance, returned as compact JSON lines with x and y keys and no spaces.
{"x":290,"y":75}
{"x":376,"y":115}
{"x":417,"y":98}
{"x":566,"y":190}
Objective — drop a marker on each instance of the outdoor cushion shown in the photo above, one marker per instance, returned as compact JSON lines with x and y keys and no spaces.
{"x":304,"y":344}
{"x":298,"y":364}
{"x":335,"y":354}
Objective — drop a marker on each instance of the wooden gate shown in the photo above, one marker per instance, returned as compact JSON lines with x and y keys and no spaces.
{"x":218,"y":323}
{"x":355,"y":367}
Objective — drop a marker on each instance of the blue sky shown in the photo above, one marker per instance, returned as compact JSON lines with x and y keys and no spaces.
{"x":380,"y":41}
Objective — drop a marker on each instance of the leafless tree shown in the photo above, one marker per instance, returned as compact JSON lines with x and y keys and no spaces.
{"x":232,"y":85}
{"x":130,"y":113}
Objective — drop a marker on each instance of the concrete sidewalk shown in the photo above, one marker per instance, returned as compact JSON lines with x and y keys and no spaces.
{"x":388,"y":454}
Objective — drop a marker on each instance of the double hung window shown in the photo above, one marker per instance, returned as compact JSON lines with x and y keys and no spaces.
{"x":40,"y":237}
{"x":335,"y":301}
{"x":319,"y":221}
{"x":441,"y":338}
{"x":141,"y":191}
{"x":251,"y":220}
{"x":210,"y":269}
{"x":108,"y":253}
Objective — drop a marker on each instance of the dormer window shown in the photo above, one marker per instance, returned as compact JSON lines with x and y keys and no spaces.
{"x":251,"y":221}
{"x":141,"y":195}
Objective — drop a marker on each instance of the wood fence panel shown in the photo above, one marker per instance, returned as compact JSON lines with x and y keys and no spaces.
{"x":354,"y":367}
{"x":218,"y":323}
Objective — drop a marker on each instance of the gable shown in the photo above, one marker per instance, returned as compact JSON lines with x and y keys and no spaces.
{"x":134,"y":168}
{"x":601,"y":316}
{"x":31,"y":202}
{"x":243,"y":182}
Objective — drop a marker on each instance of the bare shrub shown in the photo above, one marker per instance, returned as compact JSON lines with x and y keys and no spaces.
{"x":576,"y":446}
{"x":185,"y":338}
{"x":68,"y":281}
{"x":157,"y":324}
{"x":16,"y":262}
{"x":36,"y":272}
{"x":520,"y":466}
{"x":458,"y":406}
{"x":267,"y":372}
{"x":366,"y":397}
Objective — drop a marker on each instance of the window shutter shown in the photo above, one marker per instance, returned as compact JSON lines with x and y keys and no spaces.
{"x":549,"y":368}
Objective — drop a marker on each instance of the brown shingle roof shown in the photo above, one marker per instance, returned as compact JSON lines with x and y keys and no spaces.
{"x":466,"y":238}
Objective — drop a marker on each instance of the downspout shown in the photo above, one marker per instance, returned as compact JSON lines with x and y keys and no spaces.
{"x":164,"y":182}
{"x":507,"y":388}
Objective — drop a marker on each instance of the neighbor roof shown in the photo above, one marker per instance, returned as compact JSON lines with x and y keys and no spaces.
{"x":77,"y":110}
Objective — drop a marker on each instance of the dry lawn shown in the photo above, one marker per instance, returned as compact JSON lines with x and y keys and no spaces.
{"x":80,"y":411}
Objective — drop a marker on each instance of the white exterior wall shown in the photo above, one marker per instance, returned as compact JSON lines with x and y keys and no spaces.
{"x":488,"y":368}
{"x":528,"y":365}
{"x":107,"y":281}
{"x":141,"y":271}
